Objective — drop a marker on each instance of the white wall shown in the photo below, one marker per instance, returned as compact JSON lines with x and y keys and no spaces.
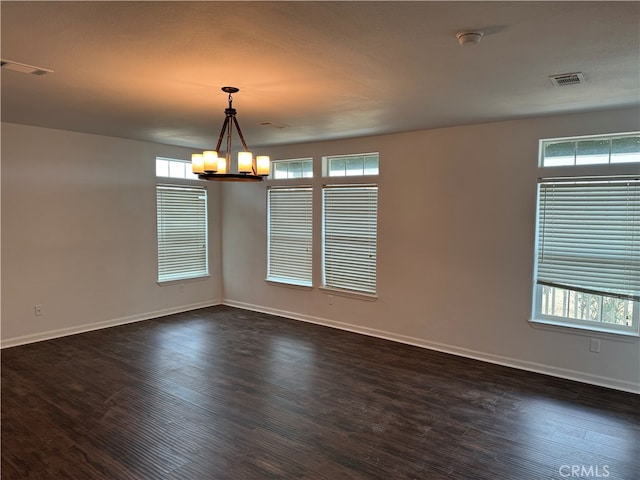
{"x":455,"y":243}
{"x":455,"y":255}
{"x":79,"y":234}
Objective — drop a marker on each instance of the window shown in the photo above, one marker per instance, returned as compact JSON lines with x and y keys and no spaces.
{"x":300,"y":168}
{"x":172,"y":168}
{"x":588,"y":242}
{"x":351,"y":165}
{"x":289,"y":233}
{"x":350,"y":223}
{"x":182,"y":232}
{"x":350,"y":217}
{"x":591,"y":150}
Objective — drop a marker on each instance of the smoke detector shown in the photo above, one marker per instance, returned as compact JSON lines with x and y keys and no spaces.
{"x":23,"y":68}
{"x":565,"y":79}
{"x":468,"y":38}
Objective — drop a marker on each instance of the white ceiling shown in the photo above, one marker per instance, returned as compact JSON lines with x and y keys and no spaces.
{"x":315,"y":70}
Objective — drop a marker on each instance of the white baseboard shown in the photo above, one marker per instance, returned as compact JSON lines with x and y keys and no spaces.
{"x":567,"y":374}
{"x":63,"y":332}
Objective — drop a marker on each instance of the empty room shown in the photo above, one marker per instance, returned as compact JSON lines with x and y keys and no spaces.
{"x":320,"y":240}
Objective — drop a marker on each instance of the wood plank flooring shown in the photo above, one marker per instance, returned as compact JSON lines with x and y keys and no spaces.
{"x":223,"y":393}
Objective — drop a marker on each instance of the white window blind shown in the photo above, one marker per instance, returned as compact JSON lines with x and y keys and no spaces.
{"x":589,"y":235}
{"x":182,"y":232}
{"x":289,"y":225}
{"x":350,"y":220}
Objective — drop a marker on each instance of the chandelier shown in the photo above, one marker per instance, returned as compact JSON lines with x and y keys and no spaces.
{"x":210,"y":165}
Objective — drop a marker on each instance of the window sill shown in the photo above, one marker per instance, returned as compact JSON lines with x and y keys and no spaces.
{"x":585,"y":330}
{"x":288,"y":284}
{"x":349,"y":294}
{"x":164,"y":283}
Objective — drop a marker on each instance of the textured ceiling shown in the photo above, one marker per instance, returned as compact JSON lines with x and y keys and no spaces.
{"x":314,"y":70}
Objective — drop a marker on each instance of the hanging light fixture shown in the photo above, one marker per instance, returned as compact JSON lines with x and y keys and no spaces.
{"x":210,"y":165}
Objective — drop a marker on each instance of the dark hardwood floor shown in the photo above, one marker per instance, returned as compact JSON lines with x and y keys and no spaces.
{"x":223,"y":393}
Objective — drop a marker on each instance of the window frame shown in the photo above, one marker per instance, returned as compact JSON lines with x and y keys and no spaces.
{"x":344,"y":180}
{"x":317,"y":183}
{"x":602,"y":171}
{"x":543,"y":143}
{"x":290,"y":182}
{"x":288,"y":161}
{"x":586,"y":325}
{"x":188,"y":174}
{"x":327,"y":159}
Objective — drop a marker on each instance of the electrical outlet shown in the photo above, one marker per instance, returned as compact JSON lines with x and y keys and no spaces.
{"x":594,"y":346}
{"x":38,"y":310}
{"x":181,"y":288}
{"x":330,"y":299}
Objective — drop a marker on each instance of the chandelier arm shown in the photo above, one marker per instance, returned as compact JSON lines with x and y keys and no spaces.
{"x":224,"y":127}
{"x":229,"y":135}
{"x":244,"y":144}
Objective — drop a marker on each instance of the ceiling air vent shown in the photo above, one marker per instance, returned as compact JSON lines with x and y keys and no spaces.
{"x":274,"y":125}
{"x":23,"y":68}
{"x":565,"y":79}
